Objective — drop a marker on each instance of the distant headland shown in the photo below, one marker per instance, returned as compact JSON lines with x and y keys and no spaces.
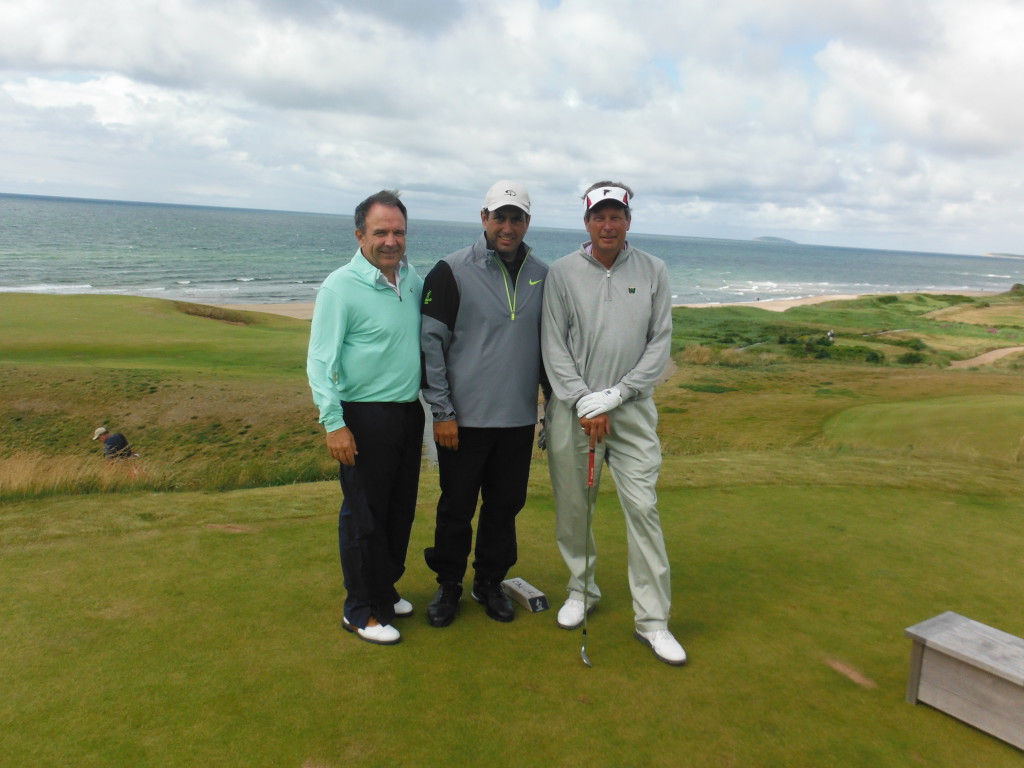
{"x":775,"y":240}
{"x":1004,"y":256}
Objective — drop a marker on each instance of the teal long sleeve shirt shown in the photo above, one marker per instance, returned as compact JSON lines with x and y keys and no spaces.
{"x":364,"y":343}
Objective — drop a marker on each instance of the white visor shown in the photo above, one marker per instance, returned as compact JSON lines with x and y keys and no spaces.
{"x":599,"y":195}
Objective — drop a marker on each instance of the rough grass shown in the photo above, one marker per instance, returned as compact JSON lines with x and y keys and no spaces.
{"x":167,"y":627}
{"x":208,"y":402}
{"x":951,"y":327}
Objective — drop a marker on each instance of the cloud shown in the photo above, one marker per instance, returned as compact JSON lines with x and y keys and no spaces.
{"x":862,"y":122}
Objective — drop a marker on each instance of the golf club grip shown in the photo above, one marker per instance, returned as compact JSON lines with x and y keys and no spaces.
{"x":590,"y":468}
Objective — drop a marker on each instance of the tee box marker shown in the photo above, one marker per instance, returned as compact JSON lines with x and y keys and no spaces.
{"x":525,"y":594}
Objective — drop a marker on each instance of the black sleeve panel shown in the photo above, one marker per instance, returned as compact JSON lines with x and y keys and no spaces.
{"x":441,"y":295}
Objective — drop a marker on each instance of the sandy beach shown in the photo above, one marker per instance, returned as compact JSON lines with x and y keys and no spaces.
{"x":303,"y":310}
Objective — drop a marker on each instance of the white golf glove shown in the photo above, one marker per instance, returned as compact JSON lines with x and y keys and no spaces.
{"x":597,"y":403}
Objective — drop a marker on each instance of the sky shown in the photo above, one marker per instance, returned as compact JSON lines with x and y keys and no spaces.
{"x":895,"y":124}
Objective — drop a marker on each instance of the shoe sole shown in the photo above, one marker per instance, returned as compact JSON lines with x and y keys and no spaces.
{"x":443,"y":622}
{"x":496,"y":617}
{"x":405,"y":615}
{"x":590,"y":612}
{"x":355,"y":631}
{"x":670,"y":662}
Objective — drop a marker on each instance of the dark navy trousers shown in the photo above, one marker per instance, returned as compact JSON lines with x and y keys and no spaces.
{"x":378,"y":506}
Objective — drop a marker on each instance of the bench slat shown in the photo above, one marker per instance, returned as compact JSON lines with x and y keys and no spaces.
{"x":980,"y":645}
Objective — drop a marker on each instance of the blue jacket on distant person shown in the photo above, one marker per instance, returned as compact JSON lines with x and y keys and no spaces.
{"x":116,"y":447}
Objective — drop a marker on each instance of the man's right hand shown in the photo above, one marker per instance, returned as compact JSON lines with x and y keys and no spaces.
{"x":341,"y":444}
{"x":597,"y":428}
{"x":446,"y":434}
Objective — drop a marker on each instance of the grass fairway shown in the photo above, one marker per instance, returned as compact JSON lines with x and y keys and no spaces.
{"x":161,"y":627}
{"x":202,"y":629}
{"x":971,"y":426}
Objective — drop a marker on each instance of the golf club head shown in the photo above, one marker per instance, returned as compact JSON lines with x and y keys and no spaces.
{"x":583,"y":655}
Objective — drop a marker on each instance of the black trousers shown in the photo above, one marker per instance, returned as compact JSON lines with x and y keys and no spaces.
{"x":378,"y":506}
{"x":492,"y":464}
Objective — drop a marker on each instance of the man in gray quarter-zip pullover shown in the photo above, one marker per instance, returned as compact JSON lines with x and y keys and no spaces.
{"x":606,"y":337}
{"x":481,"y":373}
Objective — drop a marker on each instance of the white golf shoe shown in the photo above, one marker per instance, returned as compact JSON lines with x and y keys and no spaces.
{"x":665,"y":647}
{"x":570,"y":615}
{"x":378,"y":634}
{"x":403,"y":608}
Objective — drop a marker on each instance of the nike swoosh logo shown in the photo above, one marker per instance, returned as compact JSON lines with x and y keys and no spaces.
{"x":534,"y":282}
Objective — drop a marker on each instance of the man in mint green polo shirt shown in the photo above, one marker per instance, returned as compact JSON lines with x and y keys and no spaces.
{"x":364,"y":371}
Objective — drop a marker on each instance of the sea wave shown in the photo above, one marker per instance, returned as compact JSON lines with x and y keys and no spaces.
{"x":221,"y":289}
{"x":45,"y":288}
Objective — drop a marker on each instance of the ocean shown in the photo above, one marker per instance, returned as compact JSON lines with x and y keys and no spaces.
{"x":236,"y":256}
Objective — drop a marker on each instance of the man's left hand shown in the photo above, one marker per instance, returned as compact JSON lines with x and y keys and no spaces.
{"x":597,"y":403}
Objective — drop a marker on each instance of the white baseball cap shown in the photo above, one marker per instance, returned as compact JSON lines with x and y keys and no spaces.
{"x":99,"y":431}
{"x":507,"y":193}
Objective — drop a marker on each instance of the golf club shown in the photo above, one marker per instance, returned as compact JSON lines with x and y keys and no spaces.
{"x":586,"y":558}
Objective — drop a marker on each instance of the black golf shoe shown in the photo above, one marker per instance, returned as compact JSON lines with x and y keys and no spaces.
{"x":445,"y":606}
{"x":494,"y":600}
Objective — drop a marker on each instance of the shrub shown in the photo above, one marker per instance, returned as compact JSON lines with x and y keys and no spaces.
{"x":910,"y":358}
{"x":915,"y":344}
{"x":216,"y":313}
{"x":734,"y":358}
{"x":698,"y":354}
{"x":713,"y":389}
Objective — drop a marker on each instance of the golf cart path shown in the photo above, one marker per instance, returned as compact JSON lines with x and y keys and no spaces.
{"x":985,"y":359}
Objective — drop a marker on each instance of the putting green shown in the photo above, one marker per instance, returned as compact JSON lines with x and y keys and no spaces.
{"x":976,"y":426}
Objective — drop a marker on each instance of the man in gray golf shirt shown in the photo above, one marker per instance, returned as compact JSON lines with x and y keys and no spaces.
{"x":606,"y":336}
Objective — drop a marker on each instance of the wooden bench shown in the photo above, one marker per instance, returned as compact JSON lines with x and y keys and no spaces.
{"x":970,"y":671}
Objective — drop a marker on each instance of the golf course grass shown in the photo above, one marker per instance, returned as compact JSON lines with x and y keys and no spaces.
{"x":818,"y":497}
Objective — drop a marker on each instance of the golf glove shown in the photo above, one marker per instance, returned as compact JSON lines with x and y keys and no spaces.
{"x":597,"y":403}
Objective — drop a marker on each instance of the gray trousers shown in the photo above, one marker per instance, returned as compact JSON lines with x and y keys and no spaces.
{"x":633,"y":453}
